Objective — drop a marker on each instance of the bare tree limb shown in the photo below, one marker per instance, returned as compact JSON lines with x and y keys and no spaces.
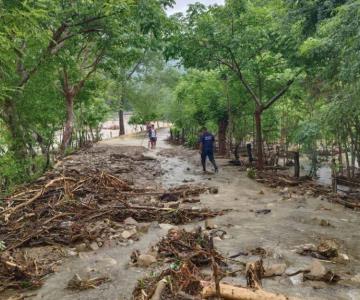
{"x":242,"y":79}
{"x":280,"y":93}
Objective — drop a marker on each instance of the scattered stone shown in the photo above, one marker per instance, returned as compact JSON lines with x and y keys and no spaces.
{"x":217,"y":238}
{"x":324,"y":223}
{"x":143,"y":227}
{"x":169,"y":197}
{"x":356,"y":278}
{"x":209,"y":224}
{"x":275,"y":270}
{"x":309,"y":193}
{"x":342,"y":258}
{"x":166,"y":227}
{"x":71,"y":252}
{"x":317,"y":269}
{"x":328,"y":248}
{"x":261,"y":192}
{"x":284,"y":191}
{"x":188,"y":180}
{"x":126,"y":234}
{"x":297,"y":279}
{"x":81,"y":247}
{"x":318,"y":273}
{"x":214,"y":190}
{"x":130,"y":221}
{"x":145,"y":260}
{"x":227,"y":237}
{"x":94,"y":246}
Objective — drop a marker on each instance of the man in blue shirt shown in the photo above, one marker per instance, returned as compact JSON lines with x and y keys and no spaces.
{"x":207,"y":141}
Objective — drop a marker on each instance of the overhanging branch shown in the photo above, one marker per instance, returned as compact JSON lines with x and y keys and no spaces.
{"x":281,"y":92}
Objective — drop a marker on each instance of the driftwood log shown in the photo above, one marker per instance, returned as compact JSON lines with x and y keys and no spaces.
{"x":229,"y":292}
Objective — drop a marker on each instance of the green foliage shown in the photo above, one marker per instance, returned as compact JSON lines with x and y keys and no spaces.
{"x":192,"y":141}
{"x":251,"y":173}
{"x":52,"y":49}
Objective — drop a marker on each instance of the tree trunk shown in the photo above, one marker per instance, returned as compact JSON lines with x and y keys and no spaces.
{"x":69,"y":124}
{"x":259,"y":141}
{"x":121,"y":122}
{"x":348,"y":174}
{"x":223,"y":124}
{"x":341,"y":166}
{"x":237,"y":150}
{"x":16,"y":131}
{"x":297,"y":164}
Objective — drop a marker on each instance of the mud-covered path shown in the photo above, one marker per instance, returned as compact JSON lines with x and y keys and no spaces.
{"x":293,"y":220}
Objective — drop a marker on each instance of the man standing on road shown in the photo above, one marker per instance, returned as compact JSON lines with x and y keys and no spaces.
{"x":207,"y":141}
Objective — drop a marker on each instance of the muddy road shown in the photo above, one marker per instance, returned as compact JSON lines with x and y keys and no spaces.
{"x":278,"y":220}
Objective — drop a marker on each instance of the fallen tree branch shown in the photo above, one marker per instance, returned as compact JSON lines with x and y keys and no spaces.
{"x":230,"y":292}
{"x":38,"y":195}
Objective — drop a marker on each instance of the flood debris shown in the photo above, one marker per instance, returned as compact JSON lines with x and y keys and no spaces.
{"x":230,"y":292}
{"x":85,"y":204}
{"x":317,"y":272}
{"x":327,"y":249}
{"x":310,"y":188}
{"x":258,"y":251}
{"x":78,"y":283}
{"x":262,"y":211}
{"x":25,"y":268}
{"x":186,"y":255}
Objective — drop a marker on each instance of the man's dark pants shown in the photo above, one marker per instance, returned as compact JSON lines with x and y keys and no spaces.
{"x":210,"y":155}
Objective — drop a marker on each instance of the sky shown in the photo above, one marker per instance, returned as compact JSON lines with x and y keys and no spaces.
{"x":181,"y":5}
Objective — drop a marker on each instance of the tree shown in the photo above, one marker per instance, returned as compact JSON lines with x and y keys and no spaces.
{"x":246,"y":38}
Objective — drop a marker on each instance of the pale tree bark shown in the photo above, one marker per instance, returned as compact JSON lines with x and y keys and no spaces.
{"x":123,"y":94}
{"x":259,"y":140}
{"x":260,"y":105}
{"x":8,"y":110}
{"x":70,"y":92}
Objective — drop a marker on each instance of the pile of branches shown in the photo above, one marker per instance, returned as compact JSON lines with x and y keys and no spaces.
{"x":195,"y":247}
{"x":188,"y":253}
{"x":58,"y":209}
{"x":306,"y":183}
{"x":280,"y":180}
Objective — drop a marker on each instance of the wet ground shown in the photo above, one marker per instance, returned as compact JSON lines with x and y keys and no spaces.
{"x":293,"y":220}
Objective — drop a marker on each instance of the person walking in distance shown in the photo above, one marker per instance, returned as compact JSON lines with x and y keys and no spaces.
{"x":148,"y":132}
{"x":153,"y":136}
{"x":207,"y":141}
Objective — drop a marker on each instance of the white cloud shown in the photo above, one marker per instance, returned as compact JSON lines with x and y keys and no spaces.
{"x":181,"y":5}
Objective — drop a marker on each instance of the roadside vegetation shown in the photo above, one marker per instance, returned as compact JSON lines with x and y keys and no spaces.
{"x":272,"y":73}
